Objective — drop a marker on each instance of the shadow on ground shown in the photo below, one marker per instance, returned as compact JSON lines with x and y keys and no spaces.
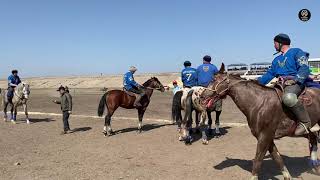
{"x":295,"y":165}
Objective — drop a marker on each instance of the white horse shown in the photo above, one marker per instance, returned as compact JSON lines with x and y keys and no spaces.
{"x":189,"y":99}
{"x":20,"y":97}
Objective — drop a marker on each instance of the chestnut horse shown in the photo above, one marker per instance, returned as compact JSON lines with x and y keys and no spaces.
{"x":118,"y":98}
{"x":267,"y":118}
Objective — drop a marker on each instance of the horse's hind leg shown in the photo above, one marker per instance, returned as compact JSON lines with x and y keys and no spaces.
{"x":107,"y":130}
{"x":277,"y":157}
{"x":314,"y":161}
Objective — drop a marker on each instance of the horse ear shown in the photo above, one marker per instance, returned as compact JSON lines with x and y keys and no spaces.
{"x":222,"y":68}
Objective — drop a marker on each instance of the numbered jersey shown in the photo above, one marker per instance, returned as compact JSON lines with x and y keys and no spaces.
{"x":189,"y":77}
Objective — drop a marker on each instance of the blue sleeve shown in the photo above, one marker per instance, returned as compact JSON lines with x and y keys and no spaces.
{"x":182,"y":77}
{"x":302,"y":66}
{"x":132,"y":81}
{"x":19,"y":80}
{"x":266,"y":78}
{"x":215,"y":70}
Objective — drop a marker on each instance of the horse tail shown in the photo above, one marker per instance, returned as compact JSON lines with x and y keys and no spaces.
{"x":176,"y":106}
{"x":102,"y":104}
{"x":189,"y":106}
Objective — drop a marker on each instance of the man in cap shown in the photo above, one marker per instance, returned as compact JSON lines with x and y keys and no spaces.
{"x":13,"y":81}
{"x":292,"y":65}
{"x":131,"y":85}
{"x":66,"y":108}
{"x":189,"y":75}
{"x":206,"y":73}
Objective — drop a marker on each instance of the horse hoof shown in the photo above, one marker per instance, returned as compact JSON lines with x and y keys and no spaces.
{"x":13,"y":122}
{"x":180,"y":138}
{"x":188,"y":140}
{"x":316,"y":170}
{"x":5,"y":119}
{"x":205,"y":142}
{"x":28,"y":122}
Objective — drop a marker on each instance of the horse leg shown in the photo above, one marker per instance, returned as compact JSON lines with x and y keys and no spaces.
{"x":107,"y":130}
{"x":13,"y":114}
{"x":209,"y":123}
{"x":197,"y":131}
{"x":203,"y":128}
{"x":217,"y":123}
{"x":277,"y":157}
{"x":262,"y":147}
{"x":25,"y":108}
{"x":140,"y":116}
{"x":5,"y":116}
{"x":314,"y":161}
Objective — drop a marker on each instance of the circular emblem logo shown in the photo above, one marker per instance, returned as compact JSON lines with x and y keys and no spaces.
{"x":304,"y":15}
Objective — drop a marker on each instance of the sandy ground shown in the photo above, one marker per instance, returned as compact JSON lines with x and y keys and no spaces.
{"x":154,"y":154}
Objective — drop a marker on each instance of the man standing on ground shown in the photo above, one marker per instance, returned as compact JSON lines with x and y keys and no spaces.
{"x":66,"y":108}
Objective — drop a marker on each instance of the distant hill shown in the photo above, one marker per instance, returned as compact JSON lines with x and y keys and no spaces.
{"x":114,"y":81}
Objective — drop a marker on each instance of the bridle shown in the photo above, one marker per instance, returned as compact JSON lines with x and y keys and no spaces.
{"x":221,"y":93}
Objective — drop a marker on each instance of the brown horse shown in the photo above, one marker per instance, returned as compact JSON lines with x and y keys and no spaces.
{"x":118,"y":98}
{"x":267,"y":118}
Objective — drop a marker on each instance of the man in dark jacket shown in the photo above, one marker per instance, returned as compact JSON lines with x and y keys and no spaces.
{"x":66,"y":108}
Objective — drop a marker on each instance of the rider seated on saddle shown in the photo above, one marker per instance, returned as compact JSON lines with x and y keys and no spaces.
{"x":189,"y":75}
{"x":206,"y":71}
{"x":292,"y":62}
{"x":131,"y":85}
{"x":13,"y":81}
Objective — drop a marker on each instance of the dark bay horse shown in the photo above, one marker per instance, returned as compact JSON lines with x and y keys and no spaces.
{"x":118,"y":98}
{"x":267,"y":118}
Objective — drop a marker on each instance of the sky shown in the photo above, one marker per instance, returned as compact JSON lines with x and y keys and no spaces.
{"x":89,"y":37}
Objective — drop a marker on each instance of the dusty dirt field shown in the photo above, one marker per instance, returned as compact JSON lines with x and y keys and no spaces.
{"x":154,"y":154}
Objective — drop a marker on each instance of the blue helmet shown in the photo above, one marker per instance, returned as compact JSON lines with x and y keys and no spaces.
{"x":282,"y":39}
{"x":187,"y":63}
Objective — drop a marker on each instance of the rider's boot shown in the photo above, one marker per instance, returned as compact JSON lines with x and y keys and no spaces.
{"x":303,"y":118}
{"x":137,"y":103}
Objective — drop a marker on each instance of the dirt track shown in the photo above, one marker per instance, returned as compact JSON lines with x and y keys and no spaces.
{"x":154,"y":154}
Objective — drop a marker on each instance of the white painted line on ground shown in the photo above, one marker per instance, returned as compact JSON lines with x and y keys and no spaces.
{"x":127,"y":118}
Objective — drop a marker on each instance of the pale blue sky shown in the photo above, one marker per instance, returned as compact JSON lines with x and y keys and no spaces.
{"x":78,"y":37}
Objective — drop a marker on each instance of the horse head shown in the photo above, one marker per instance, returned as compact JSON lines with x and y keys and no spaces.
{"x":24,"y":90}
{"x":154,"y":83}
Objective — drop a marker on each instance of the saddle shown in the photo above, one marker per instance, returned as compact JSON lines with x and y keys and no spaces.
{"x":304,"y":97}
{"x":130,"y":93}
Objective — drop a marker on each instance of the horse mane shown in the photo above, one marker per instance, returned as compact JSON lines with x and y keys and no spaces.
{"x":149,"y":81}
{"x":251,"y":82}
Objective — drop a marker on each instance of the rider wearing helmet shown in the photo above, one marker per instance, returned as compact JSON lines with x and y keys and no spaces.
{"x":189,"y":75}
{"x":292,"y":65}
{"x":131,"y":85}
{"x":13,"y":81}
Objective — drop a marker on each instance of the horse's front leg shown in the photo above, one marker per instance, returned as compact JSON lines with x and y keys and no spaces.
{"x":203,"y":128}
{"x":264,"y":141}
{"x":13,"y":114}
{"x":217,"y":122}
{"x":140,"y":116}
{"x":5,"y":116}
{"x":277,"y":157}
{"x":314,"y":160}
{"x":25,"y":108}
